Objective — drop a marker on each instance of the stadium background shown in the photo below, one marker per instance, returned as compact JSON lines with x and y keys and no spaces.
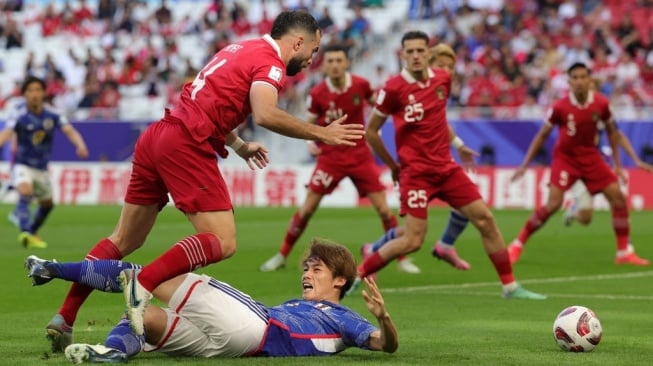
{"x":114,"y":68}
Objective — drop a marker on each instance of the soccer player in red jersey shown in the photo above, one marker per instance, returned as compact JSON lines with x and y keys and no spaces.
{"x":416,"y":99}
{"x":575,"y":157}
{"x":340,"y":93}
{"x":178,"y":155}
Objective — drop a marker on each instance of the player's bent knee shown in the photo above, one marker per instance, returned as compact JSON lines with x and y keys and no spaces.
{"x":154,"y":320}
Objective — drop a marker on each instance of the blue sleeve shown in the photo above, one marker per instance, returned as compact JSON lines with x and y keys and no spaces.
{"x":355,"y":329}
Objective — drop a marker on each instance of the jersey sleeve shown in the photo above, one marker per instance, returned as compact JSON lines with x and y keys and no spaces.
{"x":355,"y":330}
{"x":12,"y":120}
{"x":553,"y":115}
{"x":269,"y":71}
{"x":385,"y":102}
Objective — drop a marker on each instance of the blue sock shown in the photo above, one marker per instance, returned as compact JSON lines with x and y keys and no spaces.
{"x":101,"y":274}
{"x":123,"y":339}
{"x":22,"y":212}
{"x":456,"y":225}
{"x":40,"y":215}
{"x":389,"y":235}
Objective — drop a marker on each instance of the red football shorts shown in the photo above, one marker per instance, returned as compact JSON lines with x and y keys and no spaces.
{"x":167,"y":159}
{"x":417,"y":189}
{"x":365,"y":175}
{"x":592,"y":170}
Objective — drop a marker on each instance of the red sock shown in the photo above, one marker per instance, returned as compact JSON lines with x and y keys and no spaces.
{"x":104,"y":249}
{"x":501,"y":263}
{"x":621,"y":225}
{"x":371,"y":265}
{"x":295,"y":230}
{"x":537,"y":219}
{"x":389,"y":223}
{"x":187,"y":255}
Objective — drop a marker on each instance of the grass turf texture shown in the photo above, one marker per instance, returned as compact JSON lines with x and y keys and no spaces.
{"x":444,"y":316}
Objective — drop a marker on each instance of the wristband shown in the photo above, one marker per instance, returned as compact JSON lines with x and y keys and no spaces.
{"x":237,"y":144}
{"x":457,"y":142}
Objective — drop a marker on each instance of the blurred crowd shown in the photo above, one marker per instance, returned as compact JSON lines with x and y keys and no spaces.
{"x":510,"y":53}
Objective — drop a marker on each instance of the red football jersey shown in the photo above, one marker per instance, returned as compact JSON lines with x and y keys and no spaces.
{"x":578,"y":124}
{"x":418,"y":109}
{"x":217,"y":101}
{"x":327,"y":104}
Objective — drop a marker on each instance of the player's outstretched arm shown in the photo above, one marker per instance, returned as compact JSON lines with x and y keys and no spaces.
{"x":385,"y":339}
{"x":76,"y":139}
{"x":5,"y":135}
{"x":628,"y":148}
{"x":614,"y":139}
{"x":265,"y":113}
{"x":534,"y":147}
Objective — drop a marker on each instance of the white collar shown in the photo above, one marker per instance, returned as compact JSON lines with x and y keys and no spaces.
{"x":332,"y":88}
{"x":574,"y":101}
{"x":411,"y":80}
{"x":268,"y":38}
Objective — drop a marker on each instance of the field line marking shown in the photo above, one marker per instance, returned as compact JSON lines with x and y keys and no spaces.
{"x":611,"y":276}
{"x":555,"y":295}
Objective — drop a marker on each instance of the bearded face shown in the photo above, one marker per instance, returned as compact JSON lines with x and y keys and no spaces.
{"x":295,"y":65}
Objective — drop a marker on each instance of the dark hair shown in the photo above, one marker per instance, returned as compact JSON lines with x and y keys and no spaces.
{"x":578,"y":65}
{"x":414,"y":35}
{"x":337,"y":258}
{"x":336,"y":48}
{"x":298,"y":20}
{"x":29,"y":80}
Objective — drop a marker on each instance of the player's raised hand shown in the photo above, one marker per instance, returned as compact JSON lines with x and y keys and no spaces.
{"x":518,"y":174}
{"x":339,"y":133}
{"x":373,"y":298}
{"x":255,"y":154}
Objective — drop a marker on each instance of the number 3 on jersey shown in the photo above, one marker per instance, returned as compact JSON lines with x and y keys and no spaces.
{"x":200,"y":80}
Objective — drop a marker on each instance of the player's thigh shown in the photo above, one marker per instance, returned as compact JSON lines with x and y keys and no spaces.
{"x":478,"y":213}
{"x":311,"y":203}
{"x":582,"y":197}
{"x":599,"y":177}
{"x":457,"y":189}
{"x":22,"y":178}
{"x":146,"y":186}
{"x":325,"y":178}
{"x":232,"y":323}
{"x":134,"y":224}
{"x":563,"y":174}
{"x":366,"y":178}
{"x":42,"y":186}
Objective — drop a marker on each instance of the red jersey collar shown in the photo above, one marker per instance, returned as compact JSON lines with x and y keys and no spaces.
{"x":332,"y":88}
{"x":267,"y":38}
{"x":411,"y":80}
{"x":574,"y":101}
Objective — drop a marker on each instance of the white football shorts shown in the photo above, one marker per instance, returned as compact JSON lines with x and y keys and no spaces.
{"x":209,"y":318}
{"x":39,"y":179}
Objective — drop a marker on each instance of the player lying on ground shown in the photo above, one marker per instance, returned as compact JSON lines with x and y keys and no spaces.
{"x":209,"y":318}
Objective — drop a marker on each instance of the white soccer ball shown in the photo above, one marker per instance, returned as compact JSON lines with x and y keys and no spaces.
{"x":577,"y":329}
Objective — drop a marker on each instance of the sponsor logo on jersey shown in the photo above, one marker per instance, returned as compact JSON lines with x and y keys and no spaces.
{"x":439,"y":91}
{"x":356,"y":99}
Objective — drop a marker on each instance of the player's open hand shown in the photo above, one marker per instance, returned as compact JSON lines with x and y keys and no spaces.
{"x":467,"y":157}
{"x":255,"y":154}
{"x":518,"y":174}
{"x":621,"y":173}
{"x":373,"y":298}
{"x":339,"y":133}
{"x":82,"y":152}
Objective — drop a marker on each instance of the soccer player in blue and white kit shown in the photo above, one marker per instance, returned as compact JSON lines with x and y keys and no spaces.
{"x":209,"y":318}
{"x":33,"y":125}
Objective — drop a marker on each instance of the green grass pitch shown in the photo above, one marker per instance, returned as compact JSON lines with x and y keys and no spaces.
{"x":444,"y":316}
